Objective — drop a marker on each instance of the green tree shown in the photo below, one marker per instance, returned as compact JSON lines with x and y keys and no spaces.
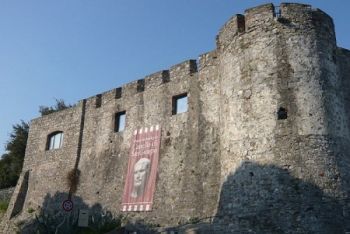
{"x":11,"y":162}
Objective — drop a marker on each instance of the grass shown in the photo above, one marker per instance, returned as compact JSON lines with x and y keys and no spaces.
{"x":3,"y":206}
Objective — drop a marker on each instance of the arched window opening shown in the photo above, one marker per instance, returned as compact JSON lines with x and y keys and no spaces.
{"x":54,"y":140}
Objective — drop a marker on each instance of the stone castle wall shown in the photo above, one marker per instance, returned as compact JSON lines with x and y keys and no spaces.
{"x":232,"y":156}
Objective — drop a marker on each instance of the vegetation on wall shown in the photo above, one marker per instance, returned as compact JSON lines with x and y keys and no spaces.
{"x":11,"y":162}
{"x":60,"y":105}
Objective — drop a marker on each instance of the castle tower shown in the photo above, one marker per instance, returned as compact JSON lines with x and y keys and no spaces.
{"x":284,"y":127}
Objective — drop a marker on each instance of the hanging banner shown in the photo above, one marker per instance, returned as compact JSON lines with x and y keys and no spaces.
{"x":141,"y":176}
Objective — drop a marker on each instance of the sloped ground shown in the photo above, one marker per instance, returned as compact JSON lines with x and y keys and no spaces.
{"x":5,"y":196}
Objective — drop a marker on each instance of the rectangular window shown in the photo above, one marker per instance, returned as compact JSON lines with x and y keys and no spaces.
{"x":180,"y":103}
{"x":119,"y":121}
{"x":55,"y":140}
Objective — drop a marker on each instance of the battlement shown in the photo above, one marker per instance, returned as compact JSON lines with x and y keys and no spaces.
{"x":268,"y":15}
{"x":254,"y":18}
{"x":257,"y":16}
{"x":152,"y":81}
{"x":207,"y":59}
{"x":304,"y":14}
{"x":232,"y":28}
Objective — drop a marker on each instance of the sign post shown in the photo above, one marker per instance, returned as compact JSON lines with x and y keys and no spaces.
{"x":67,"y":205}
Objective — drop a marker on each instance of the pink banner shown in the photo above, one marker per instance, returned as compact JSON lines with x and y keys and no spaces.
{"x":142,"y":170}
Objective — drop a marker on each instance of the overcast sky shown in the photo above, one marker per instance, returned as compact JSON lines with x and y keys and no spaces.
{"x":74,"y":49}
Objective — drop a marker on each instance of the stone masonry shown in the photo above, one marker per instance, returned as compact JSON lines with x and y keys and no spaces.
{"x":5,"y":194}
{"x":263,"y":147}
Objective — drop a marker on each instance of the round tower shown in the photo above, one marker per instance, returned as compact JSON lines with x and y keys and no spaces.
{"x":284,"y":131}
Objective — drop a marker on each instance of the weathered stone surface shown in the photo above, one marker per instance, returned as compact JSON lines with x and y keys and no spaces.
{"x":5,"y":194}
{"x":229,"y":162}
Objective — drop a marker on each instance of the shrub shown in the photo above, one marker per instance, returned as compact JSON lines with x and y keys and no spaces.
{"x":100,"y":223}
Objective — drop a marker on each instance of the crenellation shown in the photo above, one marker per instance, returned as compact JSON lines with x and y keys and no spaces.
{"x":183,"y":69}
{"x":156,"y":79}
{"x":91,"y":102}
{"x":325,"y":26}
{"x":98,"y":100}
{"x":129,"y":89}
{"x":165,"y":76}
{"x":108,"y":97}
{"x":140,"y":85}
{"x":258,"y":16}
{"x":207,"y":59}
{"x":297,"y":13}
{"x":232,"y":28}
{"x":118,"y":92}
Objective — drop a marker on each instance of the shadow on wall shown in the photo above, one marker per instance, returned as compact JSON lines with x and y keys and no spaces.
{"x":255,"y":199}
{"x":267,"y":199}
{"x":51,"y":218}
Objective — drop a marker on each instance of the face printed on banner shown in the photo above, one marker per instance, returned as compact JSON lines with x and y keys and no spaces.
{"x":141,"y":173}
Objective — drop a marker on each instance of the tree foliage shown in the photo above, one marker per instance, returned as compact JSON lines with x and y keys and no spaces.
{"x":12,"y":161}
{"x":60,"y":105}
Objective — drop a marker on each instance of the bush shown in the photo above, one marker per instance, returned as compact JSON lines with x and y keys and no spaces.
{"x":100,"y":223}
{"x":11,"y":162}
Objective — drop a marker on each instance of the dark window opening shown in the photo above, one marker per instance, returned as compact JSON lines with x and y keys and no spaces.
{"x":98,"y":100}
{"x":180,"y":104}
{"x":165,"y":76}
{"x":119,"y":124}
{"x":118,"y":93}
{"x":193,"y":66}
{"x":54,"y":140}
{"x":141,"y":85}
{"x":282,"y":113}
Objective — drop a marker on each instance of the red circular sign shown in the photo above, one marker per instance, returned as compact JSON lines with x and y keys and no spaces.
{"x":67,"y":205}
